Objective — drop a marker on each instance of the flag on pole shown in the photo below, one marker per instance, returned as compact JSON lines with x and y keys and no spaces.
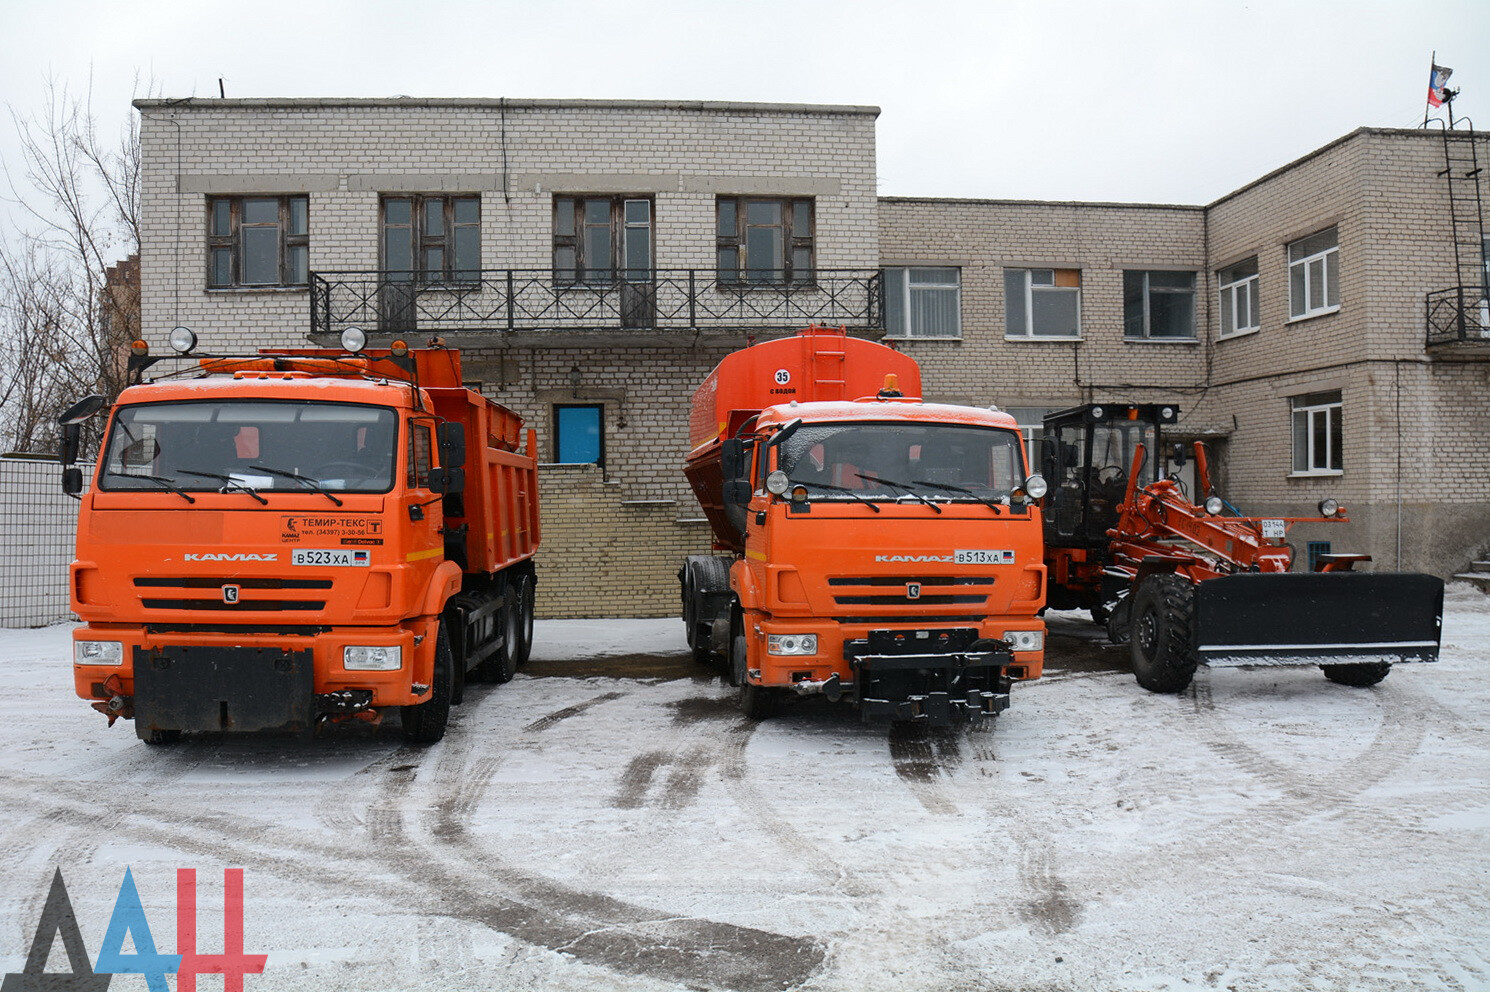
{"x":1438,"y":79}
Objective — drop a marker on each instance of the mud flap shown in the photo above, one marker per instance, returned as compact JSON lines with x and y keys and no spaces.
{"x":1317,"y":618}
{"x":222,"y":689}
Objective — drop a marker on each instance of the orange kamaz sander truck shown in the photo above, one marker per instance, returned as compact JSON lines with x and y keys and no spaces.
{"x":879,"y":549}
{"x":300,"y":535}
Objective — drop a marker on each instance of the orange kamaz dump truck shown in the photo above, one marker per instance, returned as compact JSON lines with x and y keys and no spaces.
{"x":301,"y":535}
{"x":880,"y":549}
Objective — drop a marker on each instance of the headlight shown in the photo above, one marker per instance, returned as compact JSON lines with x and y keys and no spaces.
{"x":1025,"y":640}
{"x":791,"y":644}
{"x":777,"y":483}
{"x":182,"y":340}
{"x":1214,"y":506}
{"x":353,"y":339}
{"x":1036,"y":487}
{"x":372,"y":658}
{"x":1328,"y":507}
{"x":97,"y":652}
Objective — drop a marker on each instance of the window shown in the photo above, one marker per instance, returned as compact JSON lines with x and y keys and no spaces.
{"x":258,"y":241}
{"x":1159,"y":306}
{"x":419,"y":456}
{"x":1031,"y":420}
{"x":579,"y":436}
{"x":923,"y":302}
{"x":1317,"y":438}
{"x":432,"y":238}
{"x":1314,"y":275}
{"x":1042,"y":303}
{"x":764,"y":240}
{"x":602,"y":239}
{"x":1239,"y":298}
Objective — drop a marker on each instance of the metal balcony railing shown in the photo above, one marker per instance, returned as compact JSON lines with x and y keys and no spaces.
{"x":1461,"y":313}
{"x":508,"y":300}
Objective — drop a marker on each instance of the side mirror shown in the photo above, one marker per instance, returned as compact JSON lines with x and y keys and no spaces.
{"x":1179,"y":454}
{"x":72,"y":481}
{"x":452,"y":441}
{"x":81,"y":410}
{"x":731,"y":453}
{"x":447,"y":481}
{"x":67,"y":451}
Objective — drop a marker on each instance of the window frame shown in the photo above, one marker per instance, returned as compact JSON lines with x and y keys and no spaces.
{"x":1328,"y":260}
{"x":421,"y":241}
{"x":903,"y":276}
{"x":1147,"y":296}
{"x":1232,"y":287}
{"x":1308,"y":413}
{"x":736,"y":241}
{"x":619,"y":230}
{"x":288,"y":242}
{"x":1030,"y":288}
{"x":599,"y":409}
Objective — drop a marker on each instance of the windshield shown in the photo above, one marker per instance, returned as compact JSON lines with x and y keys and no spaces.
{"x":887,"y":461}
{"x":251,"y":444}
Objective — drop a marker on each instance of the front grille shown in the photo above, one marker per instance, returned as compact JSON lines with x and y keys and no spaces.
{"x":245,"y":603}
{"x":242,"y":606}
{"x":951,"y":590}
{"x":211,"y":582}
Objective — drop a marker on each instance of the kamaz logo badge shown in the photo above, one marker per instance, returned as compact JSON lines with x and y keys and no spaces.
{"x":209,"y":556}
{"x":913,"y":590}
{"x":230,"y":594}
{"x":913,"y":558}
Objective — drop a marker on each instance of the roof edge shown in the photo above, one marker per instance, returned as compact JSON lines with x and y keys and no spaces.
{"x":400,"y":102}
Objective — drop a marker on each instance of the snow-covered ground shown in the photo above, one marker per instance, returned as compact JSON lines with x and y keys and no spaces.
{"x":609,"y":821}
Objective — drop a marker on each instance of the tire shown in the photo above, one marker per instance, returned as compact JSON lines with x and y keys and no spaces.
{"x":702,"y":576}
{"x":524,"y":619}
{"x":504,"y":661}
{"x":1360,"y":674}
{"x":756,"y":701}
{"x":424,"y":723}
{"x":1162,"y":646}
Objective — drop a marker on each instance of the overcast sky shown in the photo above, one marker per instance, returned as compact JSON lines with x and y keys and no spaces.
{"x":1148,"y":100}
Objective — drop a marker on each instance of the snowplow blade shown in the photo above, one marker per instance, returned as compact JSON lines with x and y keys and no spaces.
{"x":1318,"y":618}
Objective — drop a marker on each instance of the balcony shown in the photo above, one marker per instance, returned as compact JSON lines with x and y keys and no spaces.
{"x":1460,"y":315}
{"x":530,"y":308}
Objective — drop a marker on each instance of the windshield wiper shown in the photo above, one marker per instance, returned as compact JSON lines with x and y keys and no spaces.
{"x":166,"y":483}
{"x":995,"y":507}
{"x":312,"y":483}
{"x":229,"y":483}
{"x":899,"y":485}
{"x":839,"y":489}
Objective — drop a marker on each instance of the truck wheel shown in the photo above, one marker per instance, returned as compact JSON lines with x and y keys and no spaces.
{"x":424,"y":723}
{"x":756,"y":701}
{"x":1163,"y":651}
{"x":1361,"y":674}
{"x":504,"y":661}
{"x":524,"y":619}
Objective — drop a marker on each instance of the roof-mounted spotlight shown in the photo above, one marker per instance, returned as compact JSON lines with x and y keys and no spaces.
{"x":139,"y":348}
{"x":399,"y":349}
{"x":182,"y":340}
{"x":353,"y":339}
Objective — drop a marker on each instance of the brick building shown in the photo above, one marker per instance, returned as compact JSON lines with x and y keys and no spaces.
{"x":593,"y":260}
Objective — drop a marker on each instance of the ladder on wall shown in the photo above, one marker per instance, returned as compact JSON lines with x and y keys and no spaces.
{"x":1464,"y":174}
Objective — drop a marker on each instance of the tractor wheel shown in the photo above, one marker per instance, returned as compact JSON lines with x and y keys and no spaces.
{"x":1120,"y":620}
{"x":1163,"y":651}
{"x":1361,"y":674}
{"x":425,"y":722}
